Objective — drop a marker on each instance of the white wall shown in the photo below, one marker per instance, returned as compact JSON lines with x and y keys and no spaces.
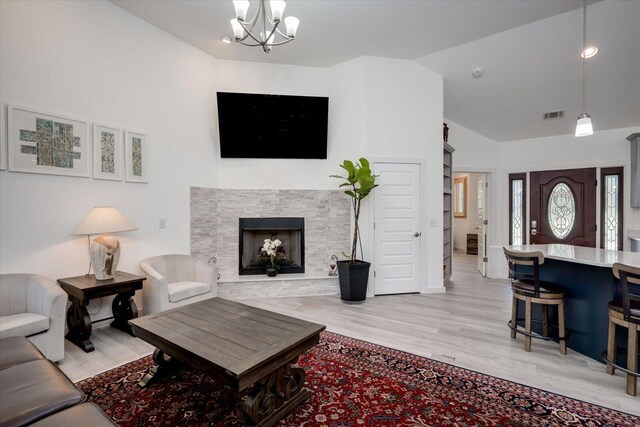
{"x":464,"y":226}
{"x":95,"y":61}
{"x":254,"y":77}
{"x":473,"y":150}
{"x":378,"y":108}
{"x":403,"y":121}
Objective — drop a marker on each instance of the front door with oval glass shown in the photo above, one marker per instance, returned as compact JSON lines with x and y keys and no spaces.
{"x":563,"y":207}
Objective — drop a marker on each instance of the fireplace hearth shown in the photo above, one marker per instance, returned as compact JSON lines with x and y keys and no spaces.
{"x":253,"y":232}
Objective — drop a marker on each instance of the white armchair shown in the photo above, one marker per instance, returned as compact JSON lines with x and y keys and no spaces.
{"x":33,"y":306}
{"x":176,"y":280}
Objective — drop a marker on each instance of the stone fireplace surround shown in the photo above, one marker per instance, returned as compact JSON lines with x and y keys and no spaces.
{"x":215,"y":214}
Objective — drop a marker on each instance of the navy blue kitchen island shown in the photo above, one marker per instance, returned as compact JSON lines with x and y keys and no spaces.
{"x":587,"y":278}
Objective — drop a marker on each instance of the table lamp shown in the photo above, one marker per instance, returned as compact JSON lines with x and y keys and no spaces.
{"x":104,"y":253}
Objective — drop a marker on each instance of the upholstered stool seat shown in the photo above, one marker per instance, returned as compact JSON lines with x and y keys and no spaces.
{"x":527,"y":287}
{"x":625,"y":313}
{"x":618,"y":307}
{"x":524,"y":271}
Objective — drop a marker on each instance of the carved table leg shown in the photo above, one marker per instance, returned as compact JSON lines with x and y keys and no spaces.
{"x":124,"y":309}
{"x":79,"y":324}
{"x":274,"y":396}
{"x":165,"y":365}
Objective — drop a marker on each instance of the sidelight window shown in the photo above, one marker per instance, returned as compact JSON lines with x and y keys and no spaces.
{"x":517,"y":208}
{"x":611,"y":208}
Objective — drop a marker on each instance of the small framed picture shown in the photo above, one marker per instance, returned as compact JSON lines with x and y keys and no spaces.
{"x":136,"y":153}
{"x":107,"y":152}
{"x":47,"y":143}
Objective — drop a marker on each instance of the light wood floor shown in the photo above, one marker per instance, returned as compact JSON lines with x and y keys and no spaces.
{"x":465,"y":327}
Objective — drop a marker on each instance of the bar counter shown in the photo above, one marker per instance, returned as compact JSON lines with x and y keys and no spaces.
{"x":587,"y":278}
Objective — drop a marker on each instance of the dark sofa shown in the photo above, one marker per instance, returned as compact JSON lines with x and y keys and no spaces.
{"x":35,"y":392}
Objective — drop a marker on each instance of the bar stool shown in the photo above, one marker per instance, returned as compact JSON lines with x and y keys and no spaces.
{"x":625,"y":313}
{"x":527,"y":287}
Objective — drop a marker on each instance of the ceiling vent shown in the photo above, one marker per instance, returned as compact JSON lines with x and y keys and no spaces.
{"x":553,"y":115}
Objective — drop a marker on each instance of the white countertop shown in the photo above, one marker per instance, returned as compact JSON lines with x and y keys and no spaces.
{"x":633,"y":234}
{"x":582,"y":255}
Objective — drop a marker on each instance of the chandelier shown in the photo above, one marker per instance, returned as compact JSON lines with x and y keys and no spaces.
{"x":267,"y":20}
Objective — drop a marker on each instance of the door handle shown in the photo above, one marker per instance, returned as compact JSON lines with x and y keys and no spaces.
{"x":534,"y":231}
{"x":417,"y":234}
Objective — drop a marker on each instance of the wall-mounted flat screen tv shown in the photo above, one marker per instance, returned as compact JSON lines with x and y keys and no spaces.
{"x":272,"y":126}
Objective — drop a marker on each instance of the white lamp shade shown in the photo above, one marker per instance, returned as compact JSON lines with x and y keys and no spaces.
{"x":241,"y":6}
{"x":277,"y":9}
{"x":584,"y":127}
{"x":103,"y":220}
{"x":292,"y":25}
{"x":270,"y":37}
{"x":238,"y":31}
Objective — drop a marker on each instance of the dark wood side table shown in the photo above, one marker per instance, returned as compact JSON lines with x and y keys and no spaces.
{"x":81,"y":289}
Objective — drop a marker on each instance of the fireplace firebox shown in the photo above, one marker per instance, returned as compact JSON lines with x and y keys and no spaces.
{"x":253,"y":232}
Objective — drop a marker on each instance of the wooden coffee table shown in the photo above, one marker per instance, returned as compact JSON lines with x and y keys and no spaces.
{"x":239,"y":346}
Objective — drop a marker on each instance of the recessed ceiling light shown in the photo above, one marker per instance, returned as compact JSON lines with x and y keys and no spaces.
{"x":226,"y":39}
{"x":589,"y":52}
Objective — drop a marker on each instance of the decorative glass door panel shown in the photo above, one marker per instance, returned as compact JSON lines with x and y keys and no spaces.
{"x":561,"y":211}
{"x":563,"y":207}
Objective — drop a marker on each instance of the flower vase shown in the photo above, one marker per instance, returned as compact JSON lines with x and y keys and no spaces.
{"x":272,"y":272}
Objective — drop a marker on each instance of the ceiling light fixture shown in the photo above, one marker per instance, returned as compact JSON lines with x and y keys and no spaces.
{"x":268,"y":15}
{"x":584,"y":126}
{"x":589,"y":52}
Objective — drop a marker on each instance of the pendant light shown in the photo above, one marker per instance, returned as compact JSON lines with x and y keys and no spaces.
{"x":584,"y":126}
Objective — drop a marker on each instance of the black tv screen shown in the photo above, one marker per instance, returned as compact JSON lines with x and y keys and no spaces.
{"x":272,"y":126}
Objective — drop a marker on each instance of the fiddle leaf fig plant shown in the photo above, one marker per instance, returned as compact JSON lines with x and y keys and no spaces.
{"x":359,"y":181}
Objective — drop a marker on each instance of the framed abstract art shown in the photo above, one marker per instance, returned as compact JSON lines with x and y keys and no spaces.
{"x":47,"y":143}
{"x":107,"y":152}
{"x":136,"y":153}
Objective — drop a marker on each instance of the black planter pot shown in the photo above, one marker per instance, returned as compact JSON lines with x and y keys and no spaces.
{"x":353,"y":280}
{"x":272,"y":272}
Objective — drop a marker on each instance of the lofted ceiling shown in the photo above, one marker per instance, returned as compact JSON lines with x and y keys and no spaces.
{"x":527,"y":48}
{"x":536,"y":68}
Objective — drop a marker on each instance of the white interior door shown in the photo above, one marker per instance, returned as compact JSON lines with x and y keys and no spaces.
{"x":482,"y":228}
{"x":397,"y":228}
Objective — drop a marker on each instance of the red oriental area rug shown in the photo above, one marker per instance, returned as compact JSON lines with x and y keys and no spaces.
{"x":355,"y":383}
